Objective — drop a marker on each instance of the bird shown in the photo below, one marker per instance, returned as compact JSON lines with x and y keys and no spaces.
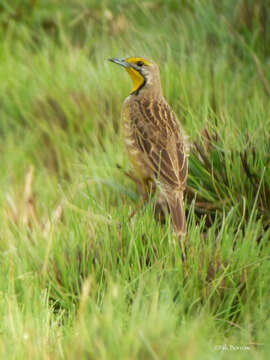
{"x":156,"y":143}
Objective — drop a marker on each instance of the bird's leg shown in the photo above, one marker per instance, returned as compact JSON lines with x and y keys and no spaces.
{"x":161,"y":208}
{"x":183,"y":247}
{"x":138,"y":207}
{"x":146,"y":188}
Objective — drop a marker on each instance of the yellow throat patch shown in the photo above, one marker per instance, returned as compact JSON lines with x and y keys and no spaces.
{"x":135,"y":75}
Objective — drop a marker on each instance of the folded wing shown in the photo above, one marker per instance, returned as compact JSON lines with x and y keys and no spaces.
{"x":159,"y":136}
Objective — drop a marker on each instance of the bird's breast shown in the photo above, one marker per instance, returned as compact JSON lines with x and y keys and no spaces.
{"x":128,"y":130}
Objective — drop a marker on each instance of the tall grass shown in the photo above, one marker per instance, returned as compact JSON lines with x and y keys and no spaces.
{"x":78,"y":278}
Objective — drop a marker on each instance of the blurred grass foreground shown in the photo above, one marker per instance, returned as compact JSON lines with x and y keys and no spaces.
{"x":77,"y":279}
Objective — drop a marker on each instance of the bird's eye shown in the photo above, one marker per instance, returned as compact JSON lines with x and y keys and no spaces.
{"x":140,"y":63}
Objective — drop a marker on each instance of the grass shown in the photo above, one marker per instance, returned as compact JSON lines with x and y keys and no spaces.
{"x":78,"y":279}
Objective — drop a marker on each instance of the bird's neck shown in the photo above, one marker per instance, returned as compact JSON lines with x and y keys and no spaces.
{"x":152,"y":90}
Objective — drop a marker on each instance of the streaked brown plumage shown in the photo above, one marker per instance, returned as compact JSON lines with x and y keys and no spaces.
{"x":155,"y":141}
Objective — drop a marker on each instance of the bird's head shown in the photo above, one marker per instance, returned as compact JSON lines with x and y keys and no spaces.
{"x":143,"y":72}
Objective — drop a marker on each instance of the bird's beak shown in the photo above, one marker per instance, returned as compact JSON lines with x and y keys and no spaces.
{"x":121,"y":62}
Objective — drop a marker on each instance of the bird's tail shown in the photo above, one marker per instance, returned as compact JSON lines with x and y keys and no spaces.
{"x":178,"y":216}
{"x":177,"y":211}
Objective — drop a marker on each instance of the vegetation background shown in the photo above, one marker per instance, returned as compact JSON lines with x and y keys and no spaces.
{"x":77,"y":278}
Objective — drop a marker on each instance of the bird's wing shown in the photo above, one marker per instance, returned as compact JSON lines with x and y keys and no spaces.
{"x":158,"y":136}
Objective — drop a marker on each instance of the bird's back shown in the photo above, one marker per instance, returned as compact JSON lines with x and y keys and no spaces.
{"x":155,"y":140}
